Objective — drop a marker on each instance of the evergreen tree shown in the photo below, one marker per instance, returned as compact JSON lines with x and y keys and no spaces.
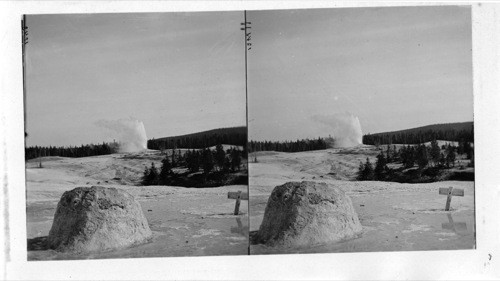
{"x":422,"y":156}
{"x":220,"y":156}
{"x":207,"y":161}
{"x":435,"y":152}
{"x":233,"y":136}
{"x":395,"y":155}
{"x":193,"y":161}
{"x":450,"y":156}
{"x":407,"y":155}
{"x":165,"y":172}
{"x":153,"y":175}
{"x":227,"y":164}
{"x":150,"y":176}
{"x":173,"y":157}
{"x":380,"y":167}
{"x":461,"y":147}
{"x":442,"y":159}
{"x":468,"y":150}
{"x":235,"y":159}
{"x":287,"y":146}
{"x":368,"y":170}
{"x":145,"y":176}
{"x":448,"y":132}
{"x":81,"y":151}
{"x":361,"y":172}
{"x":388,"y":158}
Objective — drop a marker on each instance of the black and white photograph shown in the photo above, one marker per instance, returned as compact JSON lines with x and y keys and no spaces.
{"x":361,"y":134}
{"x":249,"y":140}
{"x":135,"y":135}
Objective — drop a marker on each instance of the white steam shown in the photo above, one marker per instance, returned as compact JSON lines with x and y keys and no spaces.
{"x":130,"y":133}
{"x":345,"y":129}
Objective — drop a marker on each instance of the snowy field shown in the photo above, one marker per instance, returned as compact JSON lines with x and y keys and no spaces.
{"x":394,"y":216}
{"x":199,"y":222}
{"x":184,"y":221}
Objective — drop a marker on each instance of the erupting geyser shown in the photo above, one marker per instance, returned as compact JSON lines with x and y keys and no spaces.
{"x":130,"y":133}
{"x":345,"y":129}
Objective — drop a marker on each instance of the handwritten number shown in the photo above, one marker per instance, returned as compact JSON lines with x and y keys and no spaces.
{"x":248,"y":37}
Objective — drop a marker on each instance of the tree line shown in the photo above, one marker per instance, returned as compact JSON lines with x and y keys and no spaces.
{"x":32,"y":152}
{"x":231,"y":136}
{"x":428,"y":159}
{"x":289,"y":146}
{"x":203,"y":160}
{"x":449,"y":132}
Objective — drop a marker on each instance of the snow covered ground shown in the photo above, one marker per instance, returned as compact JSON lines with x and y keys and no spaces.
{"x":198,"y":222}
{"x":184,"y":221}
{"x":394,"y":216}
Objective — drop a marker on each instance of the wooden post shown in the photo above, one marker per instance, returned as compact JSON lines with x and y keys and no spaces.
{"x":448,"y":199}
{"x":450,"y":192}
{"x":237,"y":205}
{"x":238,"y":196}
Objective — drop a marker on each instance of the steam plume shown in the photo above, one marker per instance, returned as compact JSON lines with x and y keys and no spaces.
{"x":130,"y":133}
{"x":345,"y":129}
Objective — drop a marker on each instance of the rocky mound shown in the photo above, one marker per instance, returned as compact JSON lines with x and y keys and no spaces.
{"x":307,"y":213}
{"x":90,"y":219}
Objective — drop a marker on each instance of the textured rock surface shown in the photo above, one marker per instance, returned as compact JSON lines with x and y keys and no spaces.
{"x":92,"y":219}
{"x":307,"y":213}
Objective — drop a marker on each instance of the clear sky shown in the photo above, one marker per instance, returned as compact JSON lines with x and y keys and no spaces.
{"x":395,"y":68}
{"x":176,"y":72}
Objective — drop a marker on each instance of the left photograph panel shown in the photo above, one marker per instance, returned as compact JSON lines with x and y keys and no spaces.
{"x":135,"y":134}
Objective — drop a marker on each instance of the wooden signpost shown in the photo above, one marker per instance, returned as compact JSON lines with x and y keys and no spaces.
{"x":238,"y":196}
{"x":450,"y":192}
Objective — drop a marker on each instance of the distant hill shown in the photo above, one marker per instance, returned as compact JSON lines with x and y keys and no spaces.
{"x":232,"y":136}
{"x":463,"y":131}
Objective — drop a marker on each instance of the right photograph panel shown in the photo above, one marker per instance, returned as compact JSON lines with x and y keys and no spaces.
{"x":360,"y":125}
